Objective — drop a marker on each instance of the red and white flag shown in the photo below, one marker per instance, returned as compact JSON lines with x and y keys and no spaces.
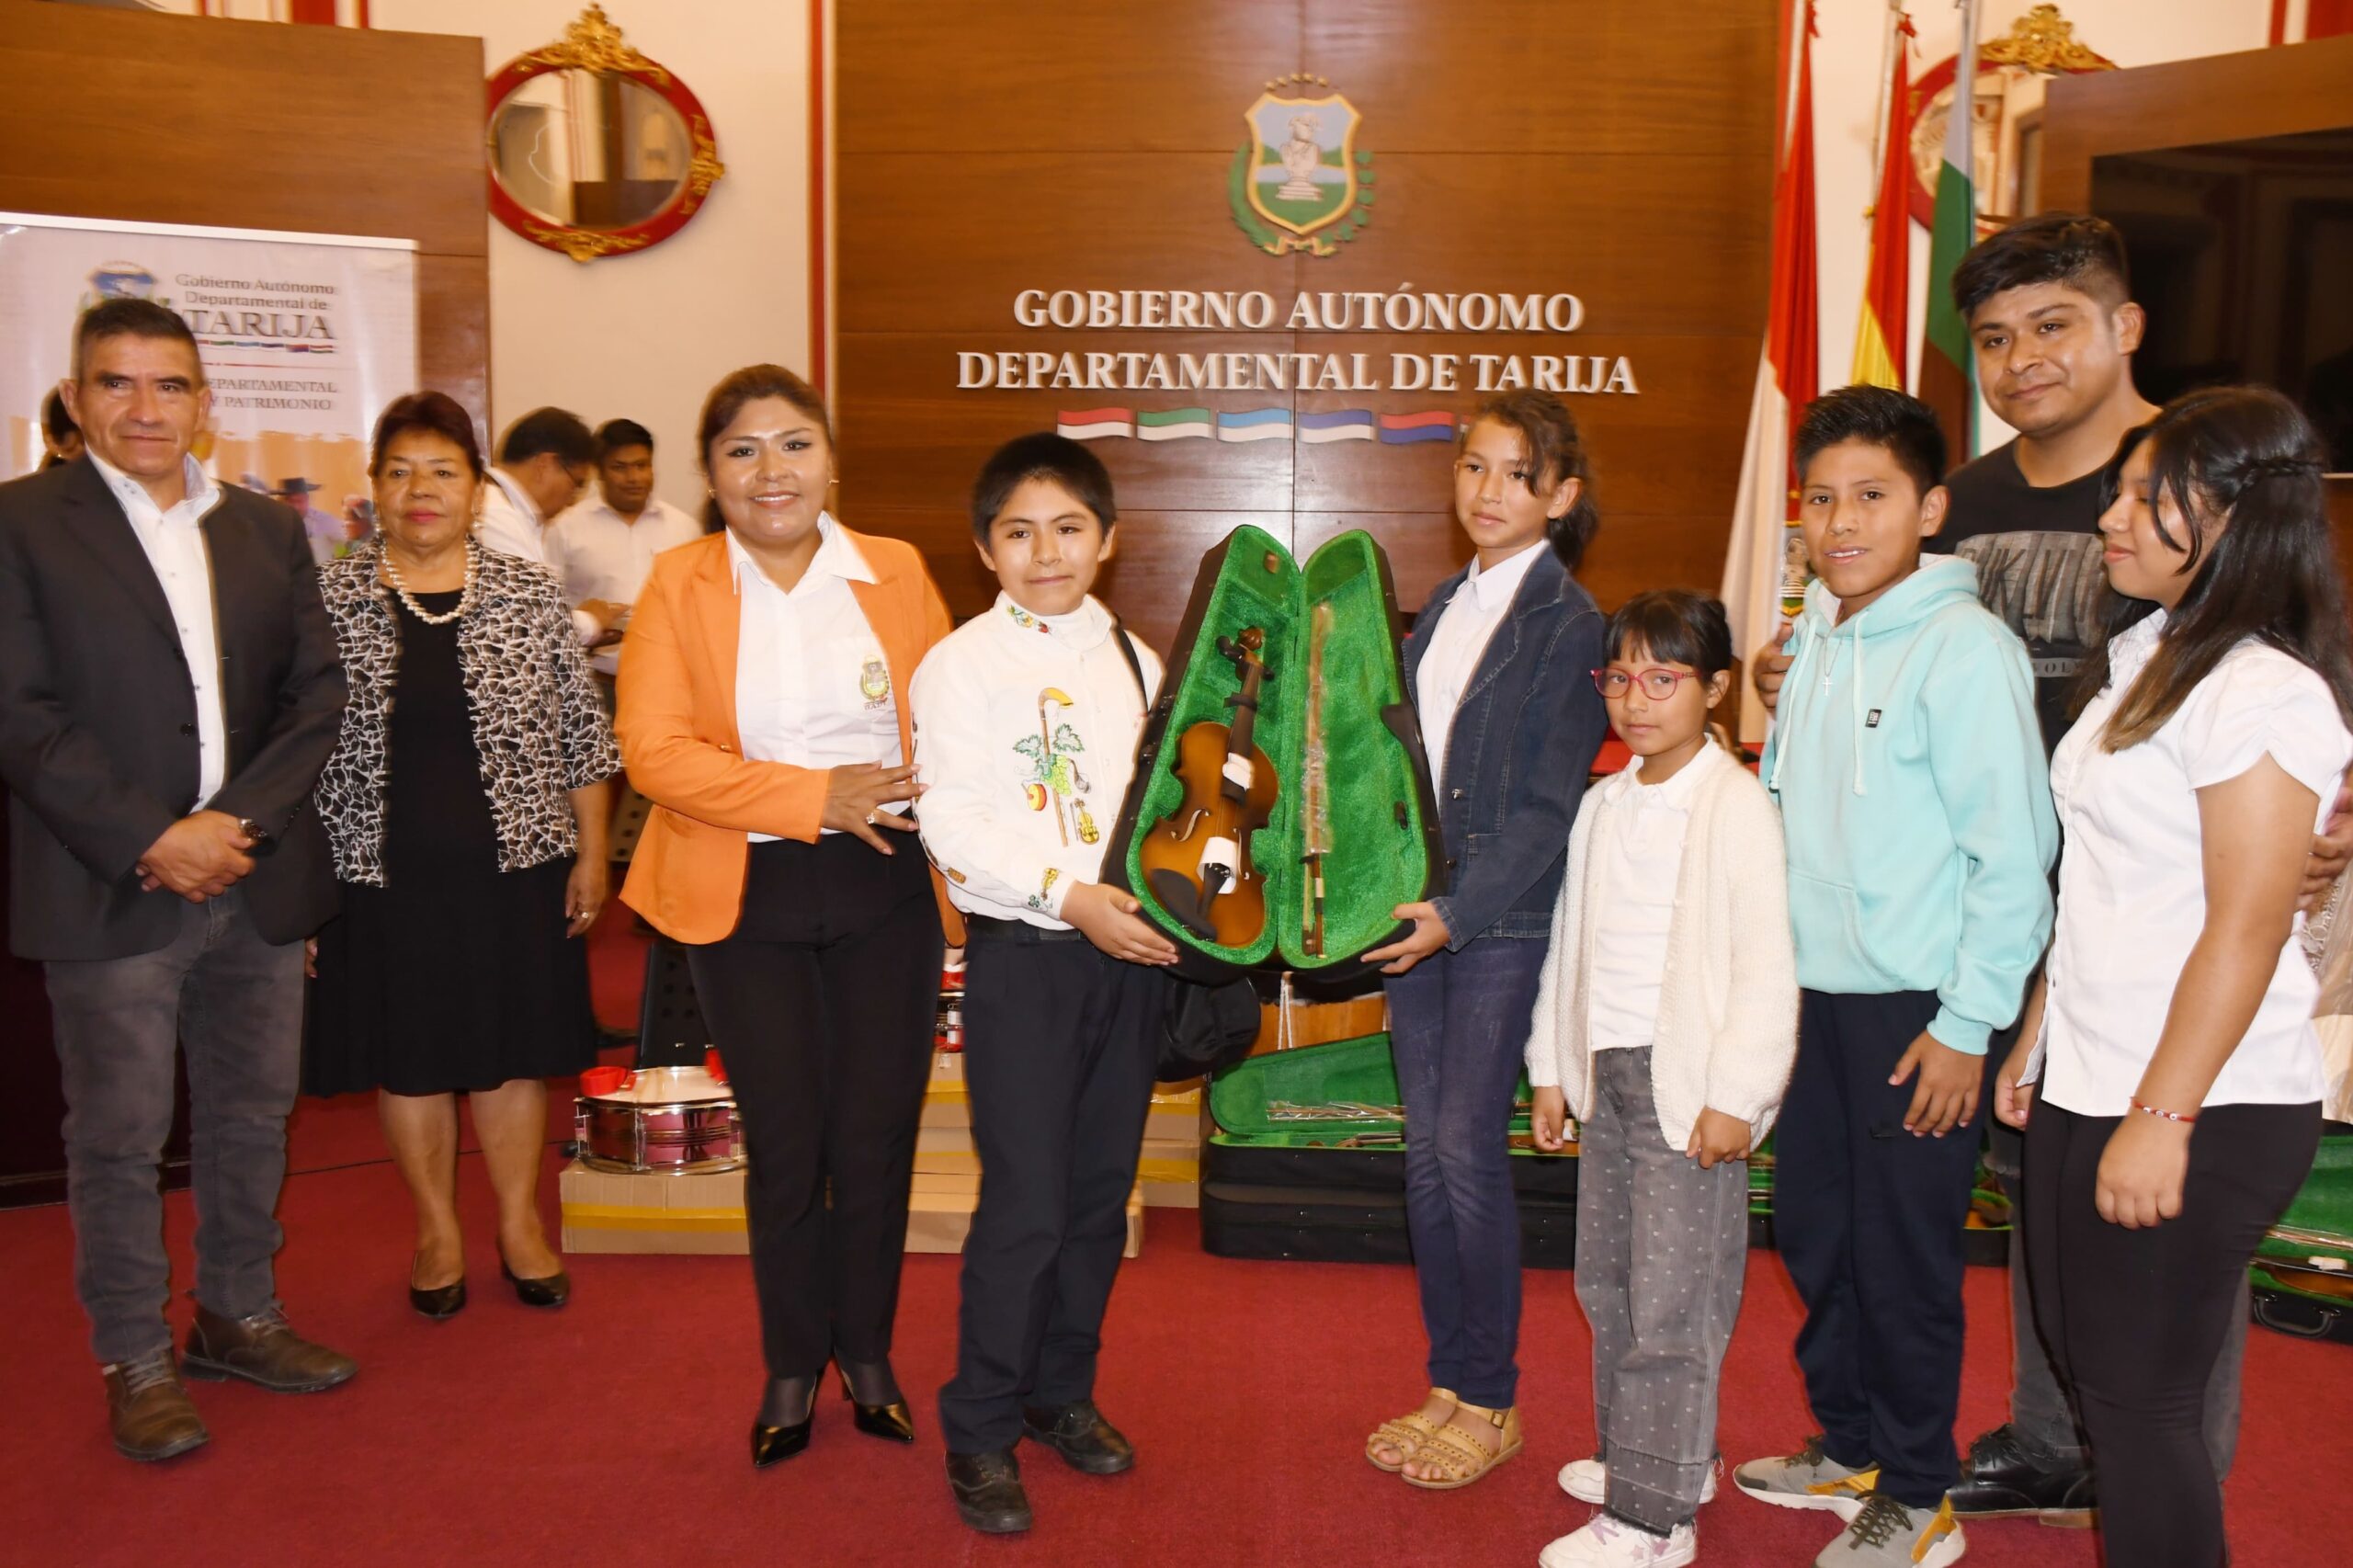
{"x":1757,"y":568}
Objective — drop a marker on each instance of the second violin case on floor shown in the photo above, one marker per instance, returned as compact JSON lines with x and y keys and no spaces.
{"x":1348,"y":805}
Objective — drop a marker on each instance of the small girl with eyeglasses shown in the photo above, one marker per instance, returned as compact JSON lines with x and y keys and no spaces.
{"x":1666,"y":1021}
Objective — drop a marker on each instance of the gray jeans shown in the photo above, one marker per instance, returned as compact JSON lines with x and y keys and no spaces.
{"x":2039,"y":1409}
{"x":1662,"y":1252}
{"x":235,"y":1002}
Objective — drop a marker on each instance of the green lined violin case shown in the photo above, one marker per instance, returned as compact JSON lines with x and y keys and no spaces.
{"x":1309,"y":1163}
{"x":1383,"y":846}
{"x":2303,"y":1272}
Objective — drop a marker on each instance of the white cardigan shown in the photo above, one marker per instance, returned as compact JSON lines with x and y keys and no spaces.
{"x":1728,"y":1003}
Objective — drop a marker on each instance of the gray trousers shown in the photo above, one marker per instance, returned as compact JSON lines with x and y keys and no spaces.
{"x":2039,"y":1409}
{"x":235,"y":1002}
{"x":1662,"y":1253}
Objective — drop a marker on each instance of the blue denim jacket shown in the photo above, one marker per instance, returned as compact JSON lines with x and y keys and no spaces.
{"x":1523,"y":742}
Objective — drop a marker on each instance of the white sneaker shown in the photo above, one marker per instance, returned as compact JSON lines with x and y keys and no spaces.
{"x":1588,"y":1480}
{"x":1606,"y":1543}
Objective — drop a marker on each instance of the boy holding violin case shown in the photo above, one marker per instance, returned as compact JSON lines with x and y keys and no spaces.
{"x":1026,"y":719}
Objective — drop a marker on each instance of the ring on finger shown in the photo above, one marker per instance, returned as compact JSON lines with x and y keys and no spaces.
{"x":870,"y":819}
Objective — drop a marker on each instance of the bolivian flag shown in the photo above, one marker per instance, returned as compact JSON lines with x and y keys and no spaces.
{"x":1882,"y":340}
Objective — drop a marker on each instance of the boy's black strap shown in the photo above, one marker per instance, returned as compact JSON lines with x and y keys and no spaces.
{"x":1135,"y":666}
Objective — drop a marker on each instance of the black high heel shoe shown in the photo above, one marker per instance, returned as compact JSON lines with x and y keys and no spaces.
{"x":888,"y":1418}
{"x":773,"y":1443}
{"x":548,"y":1291}
{"x":441,"y":1300}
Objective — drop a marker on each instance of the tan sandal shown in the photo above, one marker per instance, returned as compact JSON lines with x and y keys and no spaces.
{"x":1460,"y":1457}
{"x":1406,"y":1434}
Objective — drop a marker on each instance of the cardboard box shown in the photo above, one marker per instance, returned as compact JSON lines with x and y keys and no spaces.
{"x":1170,"y":1172}
{"x":606,"y":1212}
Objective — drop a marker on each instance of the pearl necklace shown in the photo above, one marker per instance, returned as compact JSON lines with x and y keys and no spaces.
{"x":465,"y":594}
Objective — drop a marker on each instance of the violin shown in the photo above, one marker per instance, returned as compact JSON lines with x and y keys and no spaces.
{"x":1195,"y":859}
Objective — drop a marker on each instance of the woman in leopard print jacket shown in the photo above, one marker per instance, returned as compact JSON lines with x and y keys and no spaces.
{"x":468,"y":806}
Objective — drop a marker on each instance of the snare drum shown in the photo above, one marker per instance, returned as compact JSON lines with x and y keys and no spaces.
{"x":673,"y":1120}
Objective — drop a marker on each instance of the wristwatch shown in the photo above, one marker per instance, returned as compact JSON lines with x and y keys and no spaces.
{"x":263,"y":843}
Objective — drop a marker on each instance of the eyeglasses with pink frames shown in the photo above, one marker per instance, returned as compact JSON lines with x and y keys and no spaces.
{"x":1658,"y":684}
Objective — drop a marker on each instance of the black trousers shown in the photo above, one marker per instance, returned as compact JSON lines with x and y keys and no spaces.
{"x":1868,"y":1218}
{"x":1060,"y":1042}
{"x":2137,"y":1318}
{"x":821,"y":1003}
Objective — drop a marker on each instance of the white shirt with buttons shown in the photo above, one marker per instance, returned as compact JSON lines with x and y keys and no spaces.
{"x":173,"y":540}
{"x":1456,"y":643}
{"x":2132,"y":876}
{"x":599,"y":554}
{"x":812,"y":686}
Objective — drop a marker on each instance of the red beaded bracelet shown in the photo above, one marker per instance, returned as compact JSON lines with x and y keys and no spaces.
{"x":2138,"y":1104}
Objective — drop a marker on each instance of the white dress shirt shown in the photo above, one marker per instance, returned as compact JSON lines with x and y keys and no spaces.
{"x":174,"y":542}
{"x":509,"y":523}
{"x":1637,"y":860}
{"x":2131,"y":883}
{"x":598,"y":554}
{"x":1026,"y":727}
{"x":812,"y":685}
{"x":1457,"y":642}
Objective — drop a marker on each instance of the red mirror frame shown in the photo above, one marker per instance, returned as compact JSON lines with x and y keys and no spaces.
{"x":593,"y":43}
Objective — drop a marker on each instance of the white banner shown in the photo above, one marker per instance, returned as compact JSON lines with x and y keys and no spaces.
{"x":305,"y":338}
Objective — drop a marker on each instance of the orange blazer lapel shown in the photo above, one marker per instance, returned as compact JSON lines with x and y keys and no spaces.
{"x":718,"y":611}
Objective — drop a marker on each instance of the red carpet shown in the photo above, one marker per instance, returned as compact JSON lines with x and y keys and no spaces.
{"x":611,"y":1434}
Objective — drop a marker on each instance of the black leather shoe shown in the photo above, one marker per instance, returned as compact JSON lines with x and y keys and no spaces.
{"x":2003,"y":1479}
{"x":1080,"y":1435}
{"x":889,"y":1417}
{"x":441,"y":1301}
{"x":774,"y":1439}
{"x":987,"y":1488}
{"x":548,"y":1291}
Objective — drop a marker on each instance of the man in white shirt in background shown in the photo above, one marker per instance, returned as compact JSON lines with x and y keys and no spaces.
{"x":544,"y":460}
{"x":603,"y":545}
{"x":601,"y":548}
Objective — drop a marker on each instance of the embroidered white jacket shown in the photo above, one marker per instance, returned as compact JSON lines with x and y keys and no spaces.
{"x":1026,"y":735}
{"x":1728,"y":1003}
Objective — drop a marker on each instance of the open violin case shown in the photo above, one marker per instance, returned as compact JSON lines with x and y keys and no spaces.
{"x":1348,"y":775}
{"x":2303,"y":1272}
{"x":1309,"y":1162}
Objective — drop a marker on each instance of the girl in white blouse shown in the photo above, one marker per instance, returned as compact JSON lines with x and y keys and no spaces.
{"x":2176,"y":1109}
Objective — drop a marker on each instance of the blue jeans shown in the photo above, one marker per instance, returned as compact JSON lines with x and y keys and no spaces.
{"x":233,"y":1002}
{"x":1458,"y":1027}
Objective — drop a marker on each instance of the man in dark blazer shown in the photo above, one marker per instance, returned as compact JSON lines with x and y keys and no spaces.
{"x":169,"y":691}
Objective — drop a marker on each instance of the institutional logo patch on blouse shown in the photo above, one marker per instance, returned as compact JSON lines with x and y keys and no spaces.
{"x":874,"y":681}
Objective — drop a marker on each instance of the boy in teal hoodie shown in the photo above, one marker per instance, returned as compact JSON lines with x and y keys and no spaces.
{"x":1916,"y":806}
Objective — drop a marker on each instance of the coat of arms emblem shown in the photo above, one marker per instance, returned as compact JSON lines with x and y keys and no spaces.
{"x":1301,"y":184}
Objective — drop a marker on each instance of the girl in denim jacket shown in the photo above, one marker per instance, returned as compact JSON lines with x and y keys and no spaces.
{"x":1499,"y":666}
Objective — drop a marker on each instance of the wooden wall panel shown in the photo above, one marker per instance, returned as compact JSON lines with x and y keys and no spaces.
{"x":988,"y":146}
{"x":256,"y":125}
{"x":2220,"y":97}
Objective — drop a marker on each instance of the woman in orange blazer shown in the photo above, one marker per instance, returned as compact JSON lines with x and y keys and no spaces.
{"x":759,"y":711}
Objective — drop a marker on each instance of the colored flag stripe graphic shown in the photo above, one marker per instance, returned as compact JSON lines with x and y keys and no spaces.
{"x":1254,"y":424}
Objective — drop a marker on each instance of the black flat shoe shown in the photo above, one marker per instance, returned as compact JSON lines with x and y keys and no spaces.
{"x":888,"y":1417}
{"x":774,"y":1442}
{"x":2002,"y":1479}
{"x":441,"y":1301}
{"x":987,"y":1489}
{"x":1080,"y":1435}
{"x":548,"y":1291}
